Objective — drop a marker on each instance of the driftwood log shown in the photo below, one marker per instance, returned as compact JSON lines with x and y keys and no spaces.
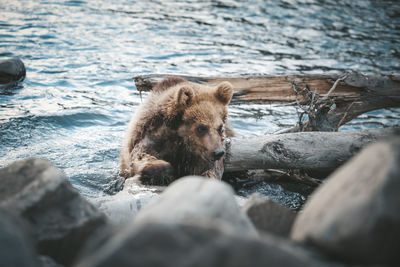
{"x":331,"y":101}
{"x":315,"y":151}
{"x":354,"y":95}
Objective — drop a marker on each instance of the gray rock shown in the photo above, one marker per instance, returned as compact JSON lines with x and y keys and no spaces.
{"x":46,"y":261}
{"x":122,"y":207}
{"x":355,"y":215}
{"x":60,"y":219}
{"x":188,"y":245}
{"x":12,"y":71}
{"x":196,"y":200}
{"x":269,"y":216}
{"x":195,"y":222}
{"x":16,"y":248}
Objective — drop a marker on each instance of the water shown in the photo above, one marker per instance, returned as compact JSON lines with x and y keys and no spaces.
{"x":74,"y":106}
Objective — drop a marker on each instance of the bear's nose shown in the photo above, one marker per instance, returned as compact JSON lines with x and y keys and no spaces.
{"x":217,"y":154}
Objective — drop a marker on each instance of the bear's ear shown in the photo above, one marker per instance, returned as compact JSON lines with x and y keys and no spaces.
{"x":184,"y":96}
{"x":224,"y":92}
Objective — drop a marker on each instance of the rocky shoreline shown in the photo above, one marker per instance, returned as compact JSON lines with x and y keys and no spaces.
{"x":352,"y":219}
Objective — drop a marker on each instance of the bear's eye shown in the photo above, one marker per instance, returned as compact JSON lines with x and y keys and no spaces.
{"x":221,"y":129}
{"x":201,"y":130}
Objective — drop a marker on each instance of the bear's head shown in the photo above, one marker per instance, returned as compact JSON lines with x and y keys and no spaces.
{"x":204,"y":114}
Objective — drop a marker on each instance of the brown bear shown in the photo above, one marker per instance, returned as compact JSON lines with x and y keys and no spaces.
{"x":178,"y":130}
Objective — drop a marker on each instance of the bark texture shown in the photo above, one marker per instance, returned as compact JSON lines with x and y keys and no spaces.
{"x":317,"y":151}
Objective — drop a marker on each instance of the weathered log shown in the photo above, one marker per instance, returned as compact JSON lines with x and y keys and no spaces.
{"x":316,"y":151}
{"x":353,"y":96}
{"x":279,"y":89}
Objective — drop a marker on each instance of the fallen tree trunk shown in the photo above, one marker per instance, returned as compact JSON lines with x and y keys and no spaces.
{"x":316,"y":151}
{"x":279,"y":89}
{"x":354,"y":95}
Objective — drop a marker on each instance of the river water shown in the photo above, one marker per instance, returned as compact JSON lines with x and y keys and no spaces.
{"x":75,"y":103}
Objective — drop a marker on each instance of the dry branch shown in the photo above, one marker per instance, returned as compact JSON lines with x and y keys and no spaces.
{"x":316,"y":151}
{"x":316,"y":108}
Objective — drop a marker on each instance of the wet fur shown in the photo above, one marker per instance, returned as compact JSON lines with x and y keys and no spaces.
{"x":161,"y":144}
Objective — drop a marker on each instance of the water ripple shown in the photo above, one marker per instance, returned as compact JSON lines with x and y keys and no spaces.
{"x":80,"y":56}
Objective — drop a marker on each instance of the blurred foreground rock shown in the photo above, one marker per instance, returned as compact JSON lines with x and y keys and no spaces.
{"x":59,"y":218}
{"x":45,"y":261}
{"x":15,"y":247}
{"x":355,"y":215}
{"x":197,"y":200}
{"x":122,"y":207}
{"x":353,"y":218}
{"x":12,"y":71}
{"x":269,"y":216}
{"x":189,"y":245}
{"x":196,"y":222}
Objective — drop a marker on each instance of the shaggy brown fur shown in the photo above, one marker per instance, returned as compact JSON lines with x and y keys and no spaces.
{"x":179,"y":130}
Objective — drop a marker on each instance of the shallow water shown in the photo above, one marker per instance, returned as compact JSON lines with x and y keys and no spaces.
{"x":74,"y":105}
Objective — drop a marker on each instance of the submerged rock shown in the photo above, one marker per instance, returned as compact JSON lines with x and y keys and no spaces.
{"x":269,"y":216}
{"x":16,"y":248}
{"x":60,"y":219}
{"x":12,"y":71}
{"x":355,"y":215}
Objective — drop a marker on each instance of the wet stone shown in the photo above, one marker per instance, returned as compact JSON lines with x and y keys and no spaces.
{"x":12,"y":71}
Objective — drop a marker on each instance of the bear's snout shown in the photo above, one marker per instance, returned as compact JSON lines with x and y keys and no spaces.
{"x":217,"y":154}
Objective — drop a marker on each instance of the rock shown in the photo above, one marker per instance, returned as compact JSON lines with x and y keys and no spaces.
{"x":12,"y":71}
{"x":195,"y":222}
{"x":48,"y":262}
{"x":123,"y":206}
{"x":196,"y":200}
{"x":169,"y":244}
{"x":16,"y":248}
{"x":60,"y":219}
{"x":269,"y":216}
{"x":355,"y":215}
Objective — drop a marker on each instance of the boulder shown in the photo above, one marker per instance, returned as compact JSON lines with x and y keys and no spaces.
{"x":195,"y":222}
{"x":60,"y":219}
{"x":46,"y":261}
{"x":355,"y":215}
{"x":16,"y":248}
{"x":177,"y":244}
{"x":122,"y":207}
{"x":196,"y":200}
{"x":12,"y":71}
{"x":269,"y":216}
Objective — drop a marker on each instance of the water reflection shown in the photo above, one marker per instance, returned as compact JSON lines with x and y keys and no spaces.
{"x":80,"y":57}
